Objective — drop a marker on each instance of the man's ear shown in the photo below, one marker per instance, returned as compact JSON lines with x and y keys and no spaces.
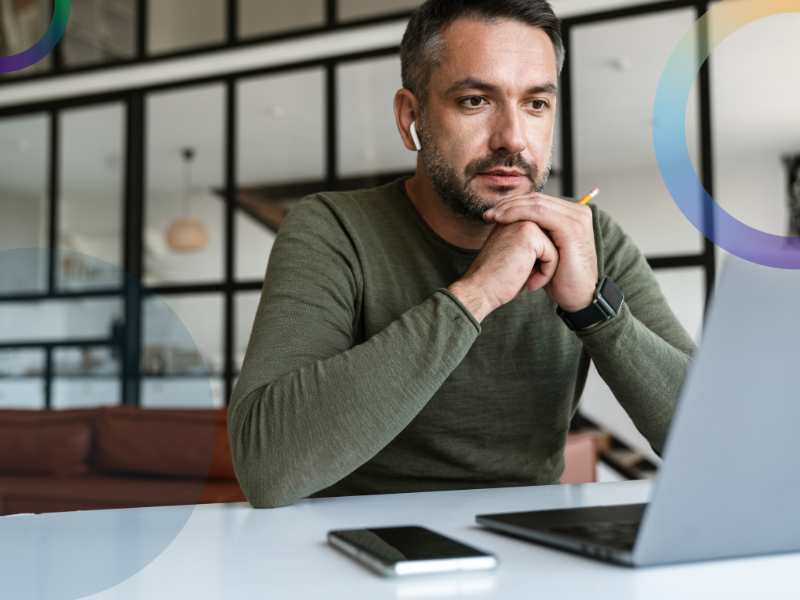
{"x":406,"y":112}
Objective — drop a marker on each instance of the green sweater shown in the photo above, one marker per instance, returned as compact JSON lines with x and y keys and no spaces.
{"x":364,"y":375}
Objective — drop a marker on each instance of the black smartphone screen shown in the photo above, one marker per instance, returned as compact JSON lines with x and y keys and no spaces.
{"x":397,"y":544}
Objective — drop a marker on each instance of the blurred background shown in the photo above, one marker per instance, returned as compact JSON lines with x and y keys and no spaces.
{"x":170,"y":138}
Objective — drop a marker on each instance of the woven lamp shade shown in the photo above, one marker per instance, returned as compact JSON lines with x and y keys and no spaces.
{"x":187,"y":235}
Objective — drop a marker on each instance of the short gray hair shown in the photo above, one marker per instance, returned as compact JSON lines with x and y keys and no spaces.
{"x":422,"y":47}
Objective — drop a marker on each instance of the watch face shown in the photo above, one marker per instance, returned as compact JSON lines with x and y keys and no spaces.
{"x":611,"y":294}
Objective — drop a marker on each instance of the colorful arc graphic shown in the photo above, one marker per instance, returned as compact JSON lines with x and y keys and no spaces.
{"x":669,"y":137}
{"x":44,"y":46}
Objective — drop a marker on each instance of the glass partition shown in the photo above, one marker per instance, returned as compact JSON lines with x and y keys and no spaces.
{"x":91,"y":196}
{"x":59,"y":320}
{"x":185,"y":206}
{"x":166,"y":348}
{"x":281,"y":128}
{"x":22,"y":24}
{"x":182,"y":356}
{"x":253,"y":246}
{"x":176,"y":25}
{"x":259,"y":18}
{"x":616,"y":67}
{"x":350,"y":10}
{"x":99,"y":31}
{"x":368,"y":140}
{"x":24,"y":205}
{"x":22,"y":379}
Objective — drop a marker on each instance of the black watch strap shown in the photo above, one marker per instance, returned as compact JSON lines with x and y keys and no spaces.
{"x":583,"y":318}
{"x":607,"y":301}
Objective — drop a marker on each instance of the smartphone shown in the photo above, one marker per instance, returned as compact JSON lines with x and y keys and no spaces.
{"x":412,"y":550}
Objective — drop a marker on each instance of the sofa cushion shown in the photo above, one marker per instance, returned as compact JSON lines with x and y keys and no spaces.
{"x":167,"y":442}
{"x":54,"y":443}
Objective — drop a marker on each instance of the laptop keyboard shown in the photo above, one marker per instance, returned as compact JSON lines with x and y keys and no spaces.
{"x":618,"y":533}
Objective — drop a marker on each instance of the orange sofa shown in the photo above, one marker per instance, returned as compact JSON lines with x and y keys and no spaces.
{"x":113,"y":457}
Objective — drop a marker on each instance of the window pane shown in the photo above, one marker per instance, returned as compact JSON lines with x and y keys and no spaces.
{"x":364,"y":9}
{"x":24,"y":207}
{"x":99,"y":31}
{"x":174,"y":25}
{"x":184,"y":209}
{"x":25,"y":393}
{"x":182,"y":335}
{"x":616,"y":69}
{"x":685,"y":291}
{"x":753,"y":132}
{"x":182,"y":392}
{"x":369,"y":142}
{"x":22,"y":24}
{"x":21,"y":363}
{"x":571,"y":8}
{"x":85,"y":392}
{"x":281,"y":128}
{"x":84,"y":362}
{"x":266,"y":17}
{"x":21,"y":381}
{"x":246,"y":307}
{"x":86,"y":377}
{"x":91,"y":196}
{"x":253,"y":245}
{"x":59,"y":320}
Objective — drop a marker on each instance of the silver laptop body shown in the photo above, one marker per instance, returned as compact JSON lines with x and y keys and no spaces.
{"x":730,"y":482}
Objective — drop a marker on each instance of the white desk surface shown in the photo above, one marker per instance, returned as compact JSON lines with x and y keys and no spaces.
{"x":233,"y":551}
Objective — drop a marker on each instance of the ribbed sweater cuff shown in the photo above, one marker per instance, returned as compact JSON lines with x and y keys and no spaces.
{"x":460,"y":307}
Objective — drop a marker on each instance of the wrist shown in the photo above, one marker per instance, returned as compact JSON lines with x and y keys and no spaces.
{"x":576,"y":305}
{"x":473,"y":298}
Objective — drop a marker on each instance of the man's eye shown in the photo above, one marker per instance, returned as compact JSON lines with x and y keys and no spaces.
{"x":538,"y":104}
{"x":473,"y":101}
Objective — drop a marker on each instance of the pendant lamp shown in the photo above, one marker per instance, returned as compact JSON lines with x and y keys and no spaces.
{"x":187,"y":234}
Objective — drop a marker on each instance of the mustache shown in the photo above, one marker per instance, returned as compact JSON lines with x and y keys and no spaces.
{"x":501,"y":159}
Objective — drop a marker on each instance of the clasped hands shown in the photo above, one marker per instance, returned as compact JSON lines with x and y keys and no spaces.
{"x":538,"y":242}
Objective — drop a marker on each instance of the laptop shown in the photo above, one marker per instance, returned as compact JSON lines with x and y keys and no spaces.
{"x":730,"y":482}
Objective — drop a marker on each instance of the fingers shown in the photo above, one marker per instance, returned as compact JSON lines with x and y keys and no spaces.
{"x":565,"y":206}
{"x":552,"y":214}
{"x":546,"y":266}
{"x":567,"y":224}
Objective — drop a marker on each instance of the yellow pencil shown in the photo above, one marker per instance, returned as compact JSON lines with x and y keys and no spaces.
{"x":588,"y":197}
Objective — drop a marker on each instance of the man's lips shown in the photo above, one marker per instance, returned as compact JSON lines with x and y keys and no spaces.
{"x":503,"y":177}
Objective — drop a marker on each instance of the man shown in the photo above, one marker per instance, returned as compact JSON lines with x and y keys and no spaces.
{"x":407,"y":337}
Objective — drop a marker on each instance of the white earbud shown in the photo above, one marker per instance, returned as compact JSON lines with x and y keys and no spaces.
{"x":415,"y":137}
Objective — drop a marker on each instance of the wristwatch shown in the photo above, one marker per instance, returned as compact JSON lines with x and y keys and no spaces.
{"x":607,"y":302}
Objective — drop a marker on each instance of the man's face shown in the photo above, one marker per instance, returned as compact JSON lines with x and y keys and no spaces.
{"x":487,"y":127}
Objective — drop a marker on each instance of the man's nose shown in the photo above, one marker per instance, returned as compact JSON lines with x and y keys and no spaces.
{"x":508,"y":134}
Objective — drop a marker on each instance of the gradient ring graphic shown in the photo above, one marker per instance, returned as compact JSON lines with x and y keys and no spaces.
{"x":672,"y":152}
{"x":44,"y":46}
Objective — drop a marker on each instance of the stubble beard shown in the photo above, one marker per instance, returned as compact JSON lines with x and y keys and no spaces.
{"x":457,"y":192}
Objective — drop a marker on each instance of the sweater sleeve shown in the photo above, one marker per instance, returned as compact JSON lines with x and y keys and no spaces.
{"x":312,"y":405}
{"x":643,"y":353}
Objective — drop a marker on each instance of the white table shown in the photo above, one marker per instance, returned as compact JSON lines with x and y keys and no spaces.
{"x":233,"y":551}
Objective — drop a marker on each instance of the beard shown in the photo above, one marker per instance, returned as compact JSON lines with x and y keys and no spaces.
{"x":456,"y":191}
